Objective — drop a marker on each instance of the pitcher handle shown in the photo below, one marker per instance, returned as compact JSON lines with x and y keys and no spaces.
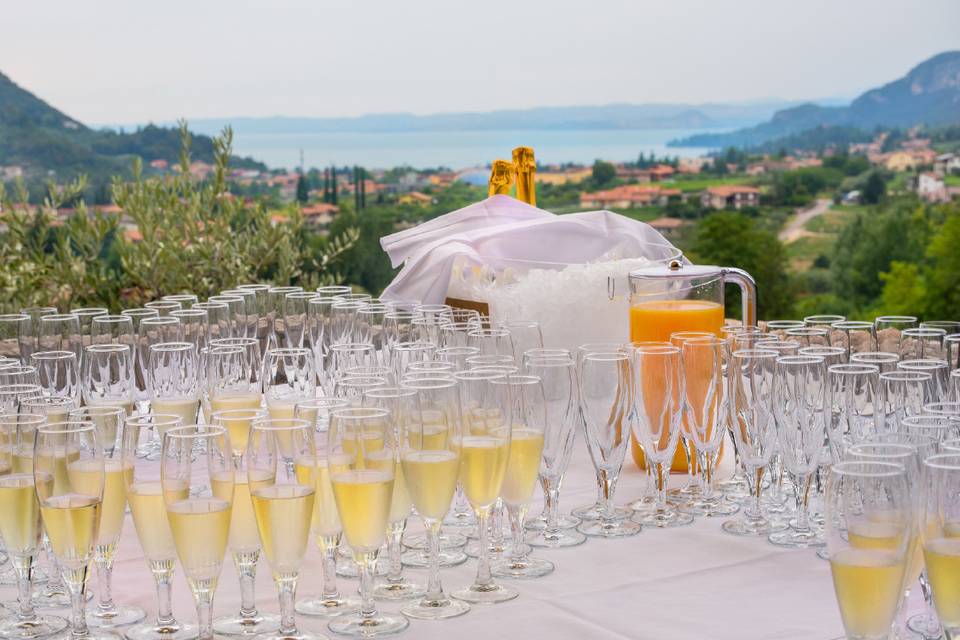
{"x":748,"y":292}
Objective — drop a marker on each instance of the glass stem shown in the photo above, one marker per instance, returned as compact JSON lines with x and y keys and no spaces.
{"x":803,"y":484}
{"x":163,"y":576}
{"x":395,"y":551}
{"x":434,"y":588}
{"x":204,"y":618}
{"x":660,"y":478}
{"x":496,"y":525}
{"x":78,"y":609}
{"x":753,"y":510}
{"x":551,"y":494}
{"x":365,"y":562}
{"x":246,"y":563}
{"x":608,"y":483}
{"x":287,"y":591}
{"x":329,"y":575}
{"x":706,"y":473}
{"x":517,"y":515}
{"x":24,"y":568}
{"x":104,"y":562}
{"x":484,"y":579}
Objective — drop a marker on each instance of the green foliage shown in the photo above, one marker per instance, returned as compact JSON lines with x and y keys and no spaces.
{"x":603,"y":173}
{"x":734,"y":240}
{"x":874,"y":188}
{"x":303,"y":190}
{"x":799,"y":187}
{"x":196,"y":236}
{"x":365,"y":263}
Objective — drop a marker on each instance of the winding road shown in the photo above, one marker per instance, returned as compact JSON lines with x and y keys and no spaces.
{"x":795,"y":228}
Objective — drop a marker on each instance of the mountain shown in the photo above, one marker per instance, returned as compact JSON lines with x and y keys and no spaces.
{"x":604,"y":117}
{"x":929,"y":94}
{"x":39,"y":138}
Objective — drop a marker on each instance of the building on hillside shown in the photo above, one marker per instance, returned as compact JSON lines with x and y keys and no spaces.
{"x":661,"y":172}
{"x":900,"y":161}
{"x":692,"y":165}
{"x":633,"y":173}
{"x":416,"y":198}
{"x":668,"y":227}
{"x":319,"y":215}
{"x":565,"y":176}
{"x":628,"y":196}
{"x":443,"y":179}
{"x":730,"y":196}
{"x":931,"y":187}
{"x":947,"y":163}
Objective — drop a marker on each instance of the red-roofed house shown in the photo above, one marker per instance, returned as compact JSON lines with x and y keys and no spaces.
{"x":661,"y":172}
{"x":730,"y":196}
{"x":319,"y":214}
{"x":628,"y":196}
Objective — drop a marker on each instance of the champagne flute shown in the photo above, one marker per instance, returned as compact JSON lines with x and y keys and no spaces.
{"x":13,"y":395}
{"x":244,"y":541}
{"x":904,"y":394}
{"x":558,"y":375}
{"x":888,"y":330}
{"x":485,"y":449}
{"x":334,"y":289}
{"x":940,"y":515}
{"x":659,"y":388}
{"x":20,"y":523}
{"x":400,"y":403}
{"x":869,"y":528}
{"x":429,"y":442}
{"x":317,"y":329}
{"x":370,"y":321}
{"x":799,"y":409}
{"x":236,"y":316}
{"x":110,"y":329}
{"x":164,"y":307}
{"x":750,"y":379}
{"x":288,"y":377}
{"x":854,"y":406}
{"x":193,"y":327}
{"x":882,"y":360}
{"x":198,"y":496}
{"x":854,"y":336}
{"x":262,"y":328}
{"x":35,"y":314}
{"x":528,"y":423}
{"x":185,"y":299}
{"x":173,"y":378}
{"x":491,"y":341}
{"x":19,"y":374}
{"x":353,"y":297}
{"x":107,"y":376}
{"x":145,"y":497}
{"x":139,"y":342}
{"x":278,"y":327}
{"x":68,"y":471}
{"x":361,"y":463}
{"x":119,"y":445}
{"x":58,"y":372}
{"x":218,"y":324}
{"x":295,"y":306}
{"x":16,"y":337}
{"x":246,"y":314}
{"x":60,"y":332}
{"x":282,"y":476}
{"x":54,"y":408}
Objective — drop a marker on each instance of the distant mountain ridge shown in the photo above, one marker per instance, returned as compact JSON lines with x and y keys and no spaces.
{"x":600,"y":117}
{"x":39,"y":138}
{"x":928,"y":94}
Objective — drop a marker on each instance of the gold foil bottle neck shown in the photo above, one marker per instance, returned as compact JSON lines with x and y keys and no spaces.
{"x":526,"y":166}
{"x":501,"y":178}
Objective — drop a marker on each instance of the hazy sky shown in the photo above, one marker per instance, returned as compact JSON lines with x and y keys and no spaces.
{"x":123,"y":61}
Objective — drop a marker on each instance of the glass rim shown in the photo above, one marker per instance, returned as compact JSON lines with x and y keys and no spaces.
{"x":807,"y":331}
{"x":170,"y":319}
{"x":14,"y":316}
{"x":234,"y":342}
{"x":98,"y":410}
{"x":359,"y":413}
{"x":162,"y":304}
{"x":116,"y":319}
{"x":286,"y":352}
{"x":785,"y":324}
{"x":20,"y":387}
{"x":389,"y":391}
{"x":905,"y":450}
{"x":339,"y":287}
{"x":489,"y":359}
{"x":825,"y":317}
{"x":459,"y":351}
{"x":54,"y":354}
{"x":284,"y":289}
{"x":363,"y":381}
{"x":48,"y":401}
{"x":135,"y":312}
{"x":210,"y":305}
{"x":306,"y":295}
{"x":107,"y":347}
{"x":800,"y":359}
{"x":700,"y":341}
{"x":428,"y":382}
{"x":320,"y":298}
{"x":492,"y":332}
{"x":918,"y":331}
{"x":352,"y":346}
{"x":473,"y":375}
{"x":348,"y":304}
{"x":223,"y":349}
{"x":179,"y":296}
{"x":848,"y":368}
{"x":322,"y":402}
{"x":236,"y":413}
{"x":172,"y":347}
{"x":927,"y":420}
{"x":894,"y":318}
{"x":59,"y":317}
{"x":67,"y":426}
{"x":852,"y":324}
{"x":194,"y":432}
{"x":923,"y":363}
{"x":176,"y":314}
{"x":755,"y":354}
{"x":16,"y":419}
{"x":943,"y":408}
{"x":520,"y":379}
{"x":254,"y":286}
{"x":939,"y":461}
{"x":886,"y":469}
{"x":825,"y":351}
{"x":280,"y":424}
{"x":617,"y":356}
{"x":163,"y":419}
{"x":906,"y":374}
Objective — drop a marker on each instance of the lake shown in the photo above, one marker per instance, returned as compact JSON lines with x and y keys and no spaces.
{"x":455,"y":149}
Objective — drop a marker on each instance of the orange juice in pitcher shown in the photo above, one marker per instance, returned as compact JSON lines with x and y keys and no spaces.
{"x":678,"y":297}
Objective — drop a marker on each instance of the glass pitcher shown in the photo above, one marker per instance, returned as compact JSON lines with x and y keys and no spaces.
{"x":684,"y":297}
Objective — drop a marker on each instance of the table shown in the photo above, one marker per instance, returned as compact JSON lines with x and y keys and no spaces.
{"x":693,"y":582}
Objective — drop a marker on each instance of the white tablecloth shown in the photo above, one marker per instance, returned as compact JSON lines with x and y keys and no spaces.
{"x":693,"y":582}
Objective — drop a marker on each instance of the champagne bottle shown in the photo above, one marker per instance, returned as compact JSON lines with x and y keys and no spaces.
{"x":501,"y":178}
{"x":526,"y":167}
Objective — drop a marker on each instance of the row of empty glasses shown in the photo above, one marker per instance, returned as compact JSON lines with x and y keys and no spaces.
{"x":509,"y":413}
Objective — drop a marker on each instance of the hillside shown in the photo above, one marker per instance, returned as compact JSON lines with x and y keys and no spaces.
{"x":929,"y":94}
{"x":39,"y":138}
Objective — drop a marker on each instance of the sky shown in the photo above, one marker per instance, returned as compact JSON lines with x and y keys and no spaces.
{"x":120,"y":62}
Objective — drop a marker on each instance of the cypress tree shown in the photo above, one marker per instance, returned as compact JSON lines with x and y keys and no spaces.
{"x":333,"y":184}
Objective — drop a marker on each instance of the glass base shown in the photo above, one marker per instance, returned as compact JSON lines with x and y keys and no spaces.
{"x":711,"y":509}
{"x":120,"y":616}
{"x":56,"y":598}
{"x":178,"y":631}
{"x":237,"y":625}
{"x":926,"y":625}
{"x":609,"y":528}
{"x":564,"y":521}
{"x":524,"y":568}
{"x":40,"y":627}
{"x":421,"y":560}
{"x":403,"y":590}
{"x":823,"y":554}
{"x":447,"y":539}
{"x":347,"y":568}
{"x":486,"y":594}
{"x":327,"y":607}
{"x":460,"y":519}
{"x":751,"y":527}
{"x":494,"y":552}
{"x":299,"y":634}
{"x":556,"y":539}
{"x":592,"y":512}
{"x":435,"y":609}
{"x":664,"y":518}
{"x":357,"y":626}
{"x":8,"y":576}
{"x":794,"y":539}
{"x":643,"y":505}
